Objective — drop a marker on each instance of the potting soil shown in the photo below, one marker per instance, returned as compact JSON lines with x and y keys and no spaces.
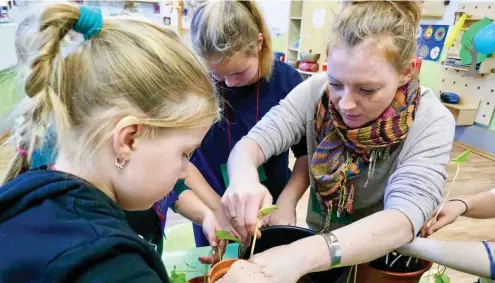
{"x":244,"y":272}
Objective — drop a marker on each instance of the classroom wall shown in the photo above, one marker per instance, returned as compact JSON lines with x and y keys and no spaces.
{"x":276,"y":15}
{"x":477,"y":136}
{"x":430,"y":70}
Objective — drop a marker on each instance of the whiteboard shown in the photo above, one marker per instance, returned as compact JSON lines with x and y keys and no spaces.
{"x":8,"y":58}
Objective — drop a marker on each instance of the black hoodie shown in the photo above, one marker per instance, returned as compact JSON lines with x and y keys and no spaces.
{"x":55,"y":227}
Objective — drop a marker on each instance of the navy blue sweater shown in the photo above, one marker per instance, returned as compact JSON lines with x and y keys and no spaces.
{"x":55,"y":227}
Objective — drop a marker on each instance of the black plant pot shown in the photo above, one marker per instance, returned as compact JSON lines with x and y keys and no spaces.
{"x":273,"y":236}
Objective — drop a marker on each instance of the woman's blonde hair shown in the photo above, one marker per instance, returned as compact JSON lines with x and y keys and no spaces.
{"x":226,"y":28}
{"x":392,"y":24}
{"x":131,"y":72}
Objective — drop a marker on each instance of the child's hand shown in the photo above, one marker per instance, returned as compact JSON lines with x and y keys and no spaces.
{"x":210,"y":226}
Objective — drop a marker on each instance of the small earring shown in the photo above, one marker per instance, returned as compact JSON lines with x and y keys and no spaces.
{"x":120,"y":164}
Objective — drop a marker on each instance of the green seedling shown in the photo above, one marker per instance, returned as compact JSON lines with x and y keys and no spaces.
{"x":177,"y":277}
{"x":263,"y":213}
{"x":456,"y":161}
{"x":441,"y":276}
{"x":224,"y":235}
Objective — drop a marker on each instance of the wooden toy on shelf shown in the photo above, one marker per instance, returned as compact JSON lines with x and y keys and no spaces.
{"x":472,"y":77}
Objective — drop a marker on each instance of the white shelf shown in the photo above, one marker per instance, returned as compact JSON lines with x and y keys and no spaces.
{"x":461,"y":106}
{"x":294,"y":49}
{"x":456,"y":68}
{"x":307,"y":73}
{"x":296,"y":18}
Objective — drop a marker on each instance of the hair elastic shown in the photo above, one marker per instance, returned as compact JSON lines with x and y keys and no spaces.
{"x":89,"y":23}
{"x":490,"y":257}
{"x":465,"y":204}
{"x":22,"y":151}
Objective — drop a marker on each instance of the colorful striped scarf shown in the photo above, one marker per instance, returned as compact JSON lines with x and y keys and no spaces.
{"x":343,"y":154}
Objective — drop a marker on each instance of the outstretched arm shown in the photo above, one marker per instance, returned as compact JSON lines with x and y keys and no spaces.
{"x":468,"y":257}
{"x":196,"y":182}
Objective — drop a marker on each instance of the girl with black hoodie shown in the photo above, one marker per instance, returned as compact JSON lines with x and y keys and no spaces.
{"x":130,"y":103}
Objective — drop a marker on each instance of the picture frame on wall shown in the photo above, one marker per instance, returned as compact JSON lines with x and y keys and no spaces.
{"x":167,"y":21}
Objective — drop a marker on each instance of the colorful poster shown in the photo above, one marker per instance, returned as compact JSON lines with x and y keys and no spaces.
{"x":431,"y":39}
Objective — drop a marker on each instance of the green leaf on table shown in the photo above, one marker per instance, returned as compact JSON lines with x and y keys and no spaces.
{"x":442,"y":278}
{"x":461,"y":158}
{"x":176,"y":277}
{"x":225,"y":235}
{"x":266,"y":211}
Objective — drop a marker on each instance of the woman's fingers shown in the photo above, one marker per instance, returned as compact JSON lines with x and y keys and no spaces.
{"x":439,"y":224}
{"x":252,"y":210}
{"x":240,"y":222}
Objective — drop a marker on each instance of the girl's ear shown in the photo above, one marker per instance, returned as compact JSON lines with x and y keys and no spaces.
{"x":125,"y":140}
{"x":260,"y":41}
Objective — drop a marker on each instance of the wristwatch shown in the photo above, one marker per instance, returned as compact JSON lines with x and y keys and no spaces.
{"x":334,"y":246}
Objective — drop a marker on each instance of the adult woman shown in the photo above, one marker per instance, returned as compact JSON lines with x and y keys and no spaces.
{"x":378,"y":144}
{"x":234,"y":41}
{"x":130,"y":104}
{"x":471,"y":257}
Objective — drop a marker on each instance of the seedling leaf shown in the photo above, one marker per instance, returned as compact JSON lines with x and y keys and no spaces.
{"x":266,"y":211}
{"x":176,"y":277}
{"x":441,"y":278}
{"x":225,"y":235}
{"x":461,"y":158}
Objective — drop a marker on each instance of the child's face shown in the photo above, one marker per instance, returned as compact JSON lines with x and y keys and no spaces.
{"x":154,"y":165}
{"x":240,"y":70}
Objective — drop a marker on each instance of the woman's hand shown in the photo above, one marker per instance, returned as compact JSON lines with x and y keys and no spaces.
{"x":210,"y":226}
{"x":286,"y":264}
{"x":280,"y":264}
{"x":242,"y":203}
{"x":449,"y":213}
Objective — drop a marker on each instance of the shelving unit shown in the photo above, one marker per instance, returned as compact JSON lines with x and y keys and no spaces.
{"x":303,"y":36}
{"x":476,"y":93}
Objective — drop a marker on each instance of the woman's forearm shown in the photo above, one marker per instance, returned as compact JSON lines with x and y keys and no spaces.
{"x":196,"y":182}
{"x":244,"y":161}
{"x":481,"y":206}
{"x":298,"y":182}
{"x":362,"y":241}
{"x":468,"y":257}
{"x":191,"y":207}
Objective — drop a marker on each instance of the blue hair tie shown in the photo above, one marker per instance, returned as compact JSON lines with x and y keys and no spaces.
{"x":89,"y":23}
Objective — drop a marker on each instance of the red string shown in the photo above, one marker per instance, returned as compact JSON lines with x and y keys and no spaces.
{"x":227,"y":112}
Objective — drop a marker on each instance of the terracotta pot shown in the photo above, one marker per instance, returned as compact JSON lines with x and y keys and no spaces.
{"x":199,"y":279}
{"x":219,"y":269}
{"x":368,"y":274}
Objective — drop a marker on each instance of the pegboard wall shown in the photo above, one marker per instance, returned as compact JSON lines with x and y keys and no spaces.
{"x":475,"y":92}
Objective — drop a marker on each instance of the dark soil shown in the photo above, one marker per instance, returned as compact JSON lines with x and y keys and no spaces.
{"x":305,"y":279}
{"x":399,"y":266}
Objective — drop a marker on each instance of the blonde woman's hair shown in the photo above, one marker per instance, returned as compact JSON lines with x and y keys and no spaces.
{"x":131,"y":72}
{"x":224,"y":28}
{"x":392,"y":24}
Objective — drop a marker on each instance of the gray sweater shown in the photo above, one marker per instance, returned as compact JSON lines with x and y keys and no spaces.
{"x":411,"y":180}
